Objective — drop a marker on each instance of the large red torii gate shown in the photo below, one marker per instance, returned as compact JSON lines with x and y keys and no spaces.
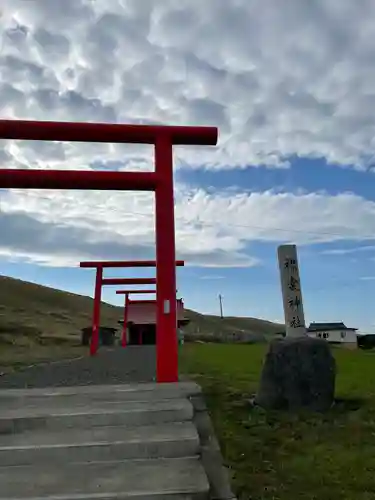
{"x":161,"y":181}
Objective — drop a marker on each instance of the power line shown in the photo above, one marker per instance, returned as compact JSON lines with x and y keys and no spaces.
{"x":263,"y":228}
{"x":267,"y":228}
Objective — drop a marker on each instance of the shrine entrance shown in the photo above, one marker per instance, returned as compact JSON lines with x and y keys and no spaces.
{"x":161,"y":181}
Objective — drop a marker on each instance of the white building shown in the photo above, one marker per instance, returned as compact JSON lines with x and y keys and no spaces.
{"x":334,"y":333}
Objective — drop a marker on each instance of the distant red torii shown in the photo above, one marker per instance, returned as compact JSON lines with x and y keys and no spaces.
{"x":126,"y":309}
{"x":100,"y":282}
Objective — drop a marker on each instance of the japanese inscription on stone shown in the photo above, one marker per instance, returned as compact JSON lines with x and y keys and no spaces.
{"x":291,"y":291}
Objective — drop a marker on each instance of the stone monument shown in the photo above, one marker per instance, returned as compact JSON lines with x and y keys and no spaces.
{"x":299,"y":372}
{"x":291,"y":291}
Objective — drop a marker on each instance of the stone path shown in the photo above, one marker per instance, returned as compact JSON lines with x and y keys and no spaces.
{"x":111,"y":366}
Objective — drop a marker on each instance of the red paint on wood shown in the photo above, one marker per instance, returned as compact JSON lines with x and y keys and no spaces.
{"x":94,"y":345}
{"x":161,"y":181}
{"x":129,"y":281}
{"x":125,"y":325}
{"x":29,"y":130}
{"x":166,"y":329}
{"x":125,"y":263}
{"x":77,"y":179}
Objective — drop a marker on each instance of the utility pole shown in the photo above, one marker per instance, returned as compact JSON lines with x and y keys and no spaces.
{"x":221,"y":306}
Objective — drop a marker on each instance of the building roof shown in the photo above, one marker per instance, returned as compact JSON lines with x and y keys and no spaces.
{"x":145,"y":313}
{"x":319,"y":327}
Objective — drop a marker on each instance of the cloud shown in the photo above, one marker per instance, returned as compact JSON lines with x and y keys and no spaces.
{"x":218,"y":229}
{"x":346,"y":251}
{"x":277,"y":82}
{"x":281,"y":217}
{"x":296,"y":80}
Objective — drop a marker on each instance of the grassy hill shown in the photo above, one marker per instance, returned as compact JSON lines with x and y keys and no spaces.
{"x":206,"y":326}
{"x":33,"y":314}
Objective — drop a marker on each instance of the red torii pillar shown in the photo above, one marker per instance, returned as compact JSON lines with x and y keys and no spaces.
{"x":126,"y":310}
{"x":125,"y":325}
{"x":161,"y":181}
{"x":100,"y":282}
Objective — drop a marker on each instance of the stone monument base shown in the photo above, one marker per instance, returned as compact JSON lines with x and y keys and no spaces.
{"x":298,"y":374}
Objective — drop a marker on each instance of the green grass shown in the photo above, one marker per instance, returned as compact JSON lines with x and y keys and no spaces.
{"x":276,"y":455}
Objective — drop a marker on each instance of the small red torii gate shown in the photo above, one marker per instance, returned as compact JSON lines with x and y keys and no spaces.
{"x":127,"y":293}
{"x":100,"y":265}
{"x":161,"y":181}
{"x":126,"y":311}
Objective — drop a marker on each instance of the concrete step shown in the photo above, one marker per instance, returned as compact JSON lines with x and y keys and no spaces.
{"x":134,"y":413}
{"x":100,"y":443}
{"x":76,"y":403}
{"x":172,"y":479}
{"x":61,"y":402}
{"x":124,"y":392}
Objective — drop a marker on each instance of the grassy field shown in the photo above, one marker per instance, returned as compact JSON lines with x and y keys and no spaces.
{"x":286,"y":457}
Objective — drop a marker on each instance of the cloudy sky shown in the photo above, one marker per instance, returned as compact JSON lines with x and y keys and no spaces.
{"x":290,"y":85}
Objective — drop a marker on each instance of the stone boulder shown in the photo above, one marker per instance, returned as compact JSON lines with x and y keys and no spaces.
{"x":298,"y":374}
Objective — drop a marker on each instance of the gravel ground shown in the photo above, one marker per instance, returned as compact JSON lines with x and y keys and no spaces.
{"x":110,"y":366}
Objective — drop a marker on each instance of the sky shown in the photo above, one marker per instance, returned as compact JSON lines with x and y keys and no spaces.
{"x":290,"y":86}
